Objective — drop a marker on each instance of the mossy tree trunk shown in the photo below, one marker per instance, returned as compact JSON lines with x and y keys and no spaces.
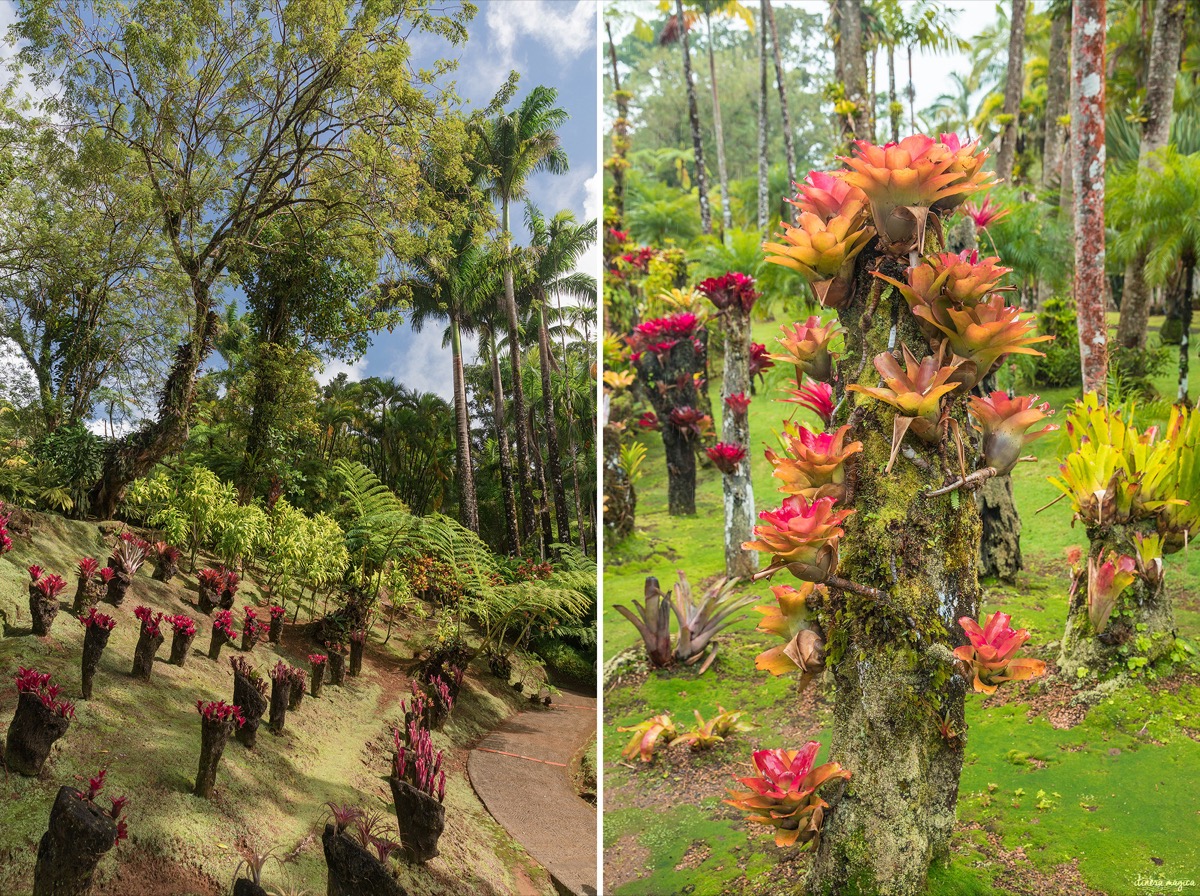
{"x":670,"y":384}
{"x":735,"y":430}
{"x":891,"y":658}
{"x":1142,"y":623}
{"x":1000,"y":536}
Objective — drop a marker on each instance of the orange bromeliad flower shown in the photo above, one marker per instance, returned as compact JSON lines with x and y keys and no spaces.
{"x":1004,"y":422}
{"x":802,"y":536}
{"x":821,"y":250}
{"x":990,"y":655}
{"x":784,"y":793}
{"x":807,"y":346}
{"x":986,"y":332}
{"x":916,"y":391}
{"x":827,"y":195}
{"x":789,"y":619}
{"x":813,"y":464}
{"x":948,"y":280}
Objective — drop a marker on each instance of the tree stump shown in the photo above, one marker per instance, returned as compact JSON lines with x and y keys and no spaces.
{"x":143,"y":654}
{"x":337,"y":668}
{"x":33,"y":731}
{"x":421,"y":819}
{"x":281,"y":695}
{"x":214,"y":734}
{"x":253,"y":702}
{"x":95,"y":639}
{"x":79,"y":835}
{"x":42,"y":610}
{"x":353,"y":871}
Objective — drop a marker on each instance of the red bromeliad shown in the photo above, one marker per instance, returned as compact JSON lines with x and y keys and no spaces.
{"x":760,"y":361}
{"x":802,"y":536}
{"x":220,"y":712}
{"x":51,"y":586}
{"x":730,"y":290}
{"x":783,"y":794}
{"x":30,"y":681}
{"x":98,"y":620}
{"x":181,"y":624}
{"x":151,"y":621}
{"x":817,"y":397}
{"x":813,"y":464}
{"x":738,"y":403}
{"x":726,"y":457}
{"x":990,"y":657}
{"x":1107,"y":578}
{"x":223,"y":622}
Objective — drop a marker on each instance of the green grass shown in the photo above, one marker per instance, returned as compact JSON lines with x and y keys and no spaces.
{"x":1119,"y":788}
{"x":335,"y":748}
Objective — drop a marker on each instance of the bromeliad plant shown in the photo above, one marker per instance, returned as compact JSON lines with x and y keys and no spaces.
{"x":217,"y":720}
{"x":41,"y":719}
{"x":990,"y":659}
{"x":166,"y":561}
{"x":1137,"y":492}
{"x":149,"y":640}
{"x":699,"y":621}
{"x":79,"y":834}
{"x":250,"y":693}
{"x":127,"y":558}
{"x":894,"y":552}
{"x":418,"y":784}
{"x":708,"y":733}
{"x":88,"y":588}
{"x":222,"y":633}
{"x":647,"y":736}
{"x":784,"y":793}
{"x":97,"y":627}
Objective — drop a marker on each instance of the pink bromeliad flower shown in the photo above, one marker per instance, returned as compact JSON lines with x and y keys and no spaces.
{"x":738,"y":403}
{"x":726,"y":456}
{"x":802,"y":536}
{"x":760,"y":361}
{"x":730,"y":290}
{"x":986,"y":214}
{"x":817,"y":397}
{"x":990,"y":655}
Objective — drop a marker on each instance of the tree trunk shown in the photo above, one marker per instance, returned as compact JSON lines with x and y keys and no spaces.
{"x":281,"y":695}
{"x":850,"y":59}
{"x":553,"y":454}
{"x":506,"y":483}
{"x":143,"y":653}
{"x":694,"y":122}
{"x":897,"y":814}
{"x":789,"y":146}
{"x":1185,"y":334}
{"x":135,"y":455}
{"x":620,"y":138}
{"x":31,"y":734}
{"x":1156,"y":129}
{"x":763,"y":165}
{"x":737,"y":487}
{"x":462,"y":431}
{"x":718,"y":132}
{"x":1058,"y":94}
{"x":524,"y":486}
{"x":1000,"y":539}
{"x":620,"y":498}
{"x":95,"y":639}
{"x":678,"y":367}
{"x":1087,"y":172}
{"x":1143,"y":609}
{"x":78,"y":836}
{"x":253,"y":703}
{"x":1013,"y":86}
{"x":420,"y":819}
{"x":213,"y":737}
{"x":352,"y":870}
{"x":894,"y":107}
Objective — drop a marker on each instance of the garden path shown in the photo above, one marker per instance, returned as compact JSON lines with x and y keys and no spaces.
{"x":521,"y":772}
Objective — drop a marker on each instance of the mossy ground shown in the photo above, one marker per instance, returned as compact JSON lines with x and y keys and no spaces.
{"x":1041,"y":810}
{"x":336,"y":748}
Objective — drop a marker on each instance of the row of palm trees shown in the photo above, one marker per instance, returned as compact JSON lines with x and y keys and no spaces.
{"x":480,"y":284}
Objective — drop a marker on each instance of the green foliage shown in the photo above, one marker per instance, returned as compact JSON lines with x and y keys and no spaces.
{"x":1032,"y":240}
{"x":74,"y":457}
{"x":1060,"y":367}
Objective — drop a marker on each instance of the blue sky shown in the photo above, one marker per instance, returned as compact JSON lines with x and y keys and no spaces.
{"x":551,"y":42}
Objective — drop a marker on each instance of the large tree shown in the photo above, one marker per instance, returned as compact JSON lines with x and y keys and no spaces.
{"x":514,"y":146}
{"x":231,"y":116}
{"x":1014,"y":83}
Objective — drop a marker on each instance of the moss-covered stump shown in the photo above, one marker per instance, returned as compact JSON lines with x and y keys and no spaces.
{"x":250,"y":694}
{"x":675,"y":368}
{"x":42,"y":610}
{"x":620,"y":497}
{"x":1140,"y":629}
{"x":78,"y":837}
{"x":891,"y":654}
{"x":421,"y":819}
{"x":214,"y":734}
{"x":143,"y":655}
{"x":243,"y":886}
{"x":95,"y":639}
{"x":31,"y":734}
{"x":352,"y":870}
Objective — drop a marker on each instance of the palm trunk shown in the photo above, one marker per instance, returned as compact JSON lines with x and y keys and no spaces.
{"x":572,"y":450}
{"x":763,"y":199}
{"x":694,"y":122}
{"x":462,"y":419}
{"x":553,"y":457}
{"x":912,"y":95}
{"x":543,"y":507}
{"x":1087,"y":156}
{"x":894,"y":107}
{"x":1057,"y":97}
{"x":851,"y":63}
{"x":789,"y":146}
{"x":1185,"y":335}
{"x":1156,"y":129}
{"x":718,"y":133}
{"x":1013,"y":86}
{"x":737,"y":487}
{"x":514,"y":356}
{"x":506,"y":483}
{"x":620,"y":138}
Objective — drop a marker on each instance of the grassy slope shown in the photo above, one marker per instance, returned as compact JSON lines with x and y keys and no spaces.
{"x":148,"y":735}
{"x":1119,"y":787}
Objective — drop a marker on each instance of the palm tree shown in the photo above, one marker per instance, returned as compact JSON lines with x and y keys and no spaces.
{"x":555,"y":248}
{"x":789,"y":146}
{"x":1014,"y":83}
{"x":486,"y":323}
{"x":516,"y":145}
{"x":443,"y":285}
{"x":928,"y":27}
{"x":677,"y":29}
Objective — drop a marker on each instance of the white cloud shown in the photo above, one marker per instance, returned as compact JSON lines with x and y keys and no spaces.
{"x":593,"y":203}
{"x":354,"y":370}
{"x":18,"y":384}
{"x":421,"y":362}
{"x":564,"y":30}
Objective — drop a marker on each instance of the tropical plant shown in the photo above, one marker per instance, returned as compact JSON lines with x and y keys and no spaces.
{"x":647,"y":736}
{"x":708,"y":733}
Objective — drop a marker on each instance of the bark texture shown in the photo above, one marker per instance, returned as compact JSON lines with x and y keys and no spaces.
{"x":1156,"y":129}
{"x":78,"y":837}
{"x":1014,"y":82}
{"x":281,"y":694}
{"x":181,"y":643}
{"x":737,"y":487}
{"x":694,"y":123}
{"x":1000,"y":540}
{"x":1087,"y":174}
{"x":850,"y":63}
{"x":31,"y":734}
{"x":789,"y":146}
{"x":553,"y":453}
{"x":42,"y":610}
{"x":524,"y":486}
{"x":763,"y":165}
{"x":620,"y":498}
{"x":337,"y":668}
{"x":891,"y":662}
{"x":670,"y":385}
{"x":95,"y":639}
{"x":1058,"y":94}
{"x":506,"y":481}
{"x":352,"y":870}
{"x":420,"y":818}
{"x":718,"y":130}
{"x":253,"y":701}
{"x":462,"y":430}
{"x":143,"y":654}
{"x":213,"y":737}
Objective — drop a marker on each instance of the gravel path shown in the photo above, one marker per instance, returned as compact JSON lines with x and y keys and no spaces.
{"x":521,"y":773}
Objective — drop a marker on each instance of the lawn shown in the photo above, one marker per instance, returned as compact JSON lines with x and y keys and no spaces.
{"x":1049,"y":803}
